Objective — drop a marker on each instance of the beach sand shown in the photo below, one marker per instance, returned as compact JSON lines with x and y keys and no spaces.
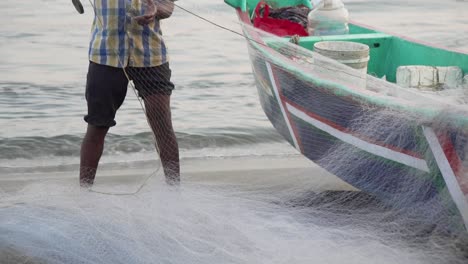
{"x":282,"y":172}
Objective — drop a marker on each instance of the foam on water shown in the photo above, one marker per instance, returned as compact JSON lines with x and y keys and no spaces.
{"x":199,"y":223}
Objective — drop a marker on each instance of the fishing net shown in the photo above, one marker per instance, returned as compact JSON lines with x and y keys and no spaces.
{"x":393,"y":203}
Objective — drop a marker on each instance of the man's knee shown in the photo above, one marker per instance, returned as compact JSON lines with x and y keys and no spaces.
{"x":96,"y":134}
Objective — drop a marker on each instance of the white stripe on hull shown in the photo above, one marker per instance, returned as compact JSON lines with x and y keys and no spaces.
{"x":448,"y":174}
{"x":377,"y":150}
{"x":278,"y":98}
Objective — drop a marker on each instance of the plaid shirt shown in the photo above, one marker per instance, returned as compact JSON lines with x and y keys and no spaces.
{"x":119,"y":41}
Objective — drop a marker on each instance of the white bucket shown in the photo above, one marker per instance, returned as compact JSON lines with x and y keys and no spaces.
{"x":355,"y":55}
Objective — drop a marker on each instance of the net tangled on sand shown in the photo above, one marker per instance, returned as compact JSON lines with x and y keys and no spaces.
{"x":213,"y":222}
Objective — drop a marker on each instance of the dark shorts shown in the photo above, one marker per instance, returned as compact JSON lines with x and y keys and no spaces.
{"x":106,"y":88}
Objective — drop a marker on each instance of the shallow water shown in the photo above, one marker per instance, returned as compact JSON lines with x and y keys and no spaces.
{"x":43,"y":62}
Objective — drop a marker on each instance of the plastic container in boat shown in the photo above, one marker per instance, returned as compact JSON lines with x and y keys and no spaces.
{"x":355,"y":55}
{"x":330,"y":18}
{"x":429,"y":77}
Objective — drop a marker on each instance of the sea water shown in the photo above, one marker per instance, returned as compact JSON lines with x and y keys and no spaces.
{"x":216,"y":114}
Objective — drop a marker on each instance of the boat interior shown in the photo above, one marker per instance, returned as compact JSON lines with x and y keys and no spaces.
{"x":387,"y":52}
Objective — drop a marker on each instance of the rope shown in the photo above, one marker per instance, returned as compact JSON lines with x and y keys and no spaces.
{"x":130,"y":193}
{"x":209,"y":21}
{"x":294,"y":39}
{"x":218,"y":25}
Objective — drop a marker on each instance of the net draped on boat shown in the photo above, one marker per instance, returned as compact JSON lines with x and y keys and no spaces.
{"x":404,"y":146}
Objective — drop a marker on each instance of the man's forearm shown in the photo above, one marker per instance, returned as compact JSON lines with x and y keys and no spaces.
{"x":165,"y":8}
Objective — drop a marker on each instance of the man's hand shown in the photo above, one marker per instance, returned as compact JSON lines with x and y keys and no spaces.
{"x":150,"y":14}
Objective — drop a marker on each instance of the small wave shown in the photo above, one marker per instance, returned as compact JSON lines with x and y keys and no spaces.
{"x":69,"y":145}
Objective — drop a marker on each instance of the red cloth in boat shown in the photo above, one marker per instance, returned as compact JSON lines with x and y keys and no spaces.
{"x":279,"y":27}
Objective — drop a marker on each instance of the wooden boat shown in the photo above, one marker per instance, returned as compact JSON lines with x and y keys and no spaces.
{"x":405,"y":146}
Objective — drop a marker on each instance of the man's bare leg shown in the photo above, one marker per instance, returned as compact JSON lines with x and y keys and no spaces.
{"x":91,"y":152}
{"x":158,"y":111}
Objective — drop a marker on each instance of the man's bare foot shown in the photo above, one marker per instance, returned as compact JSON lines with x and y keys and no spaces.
{"x":86,"y":184}
{"x":173,"y":180}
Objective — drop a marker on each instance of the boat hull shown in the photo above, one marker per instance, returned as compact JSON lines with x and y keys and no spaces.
{"x":402,"y":157}
{"x":396,"y":166}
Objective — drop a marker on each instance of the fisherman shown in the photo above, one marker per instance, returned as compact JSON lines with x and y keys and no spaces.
{"x":127,"y":46}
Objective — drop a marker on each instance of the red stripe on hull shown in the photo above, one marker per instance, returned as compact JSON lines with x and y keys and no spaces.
{"x":283,"y":99}
{"x":347,"y":131}
{"x":454,"y":161}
